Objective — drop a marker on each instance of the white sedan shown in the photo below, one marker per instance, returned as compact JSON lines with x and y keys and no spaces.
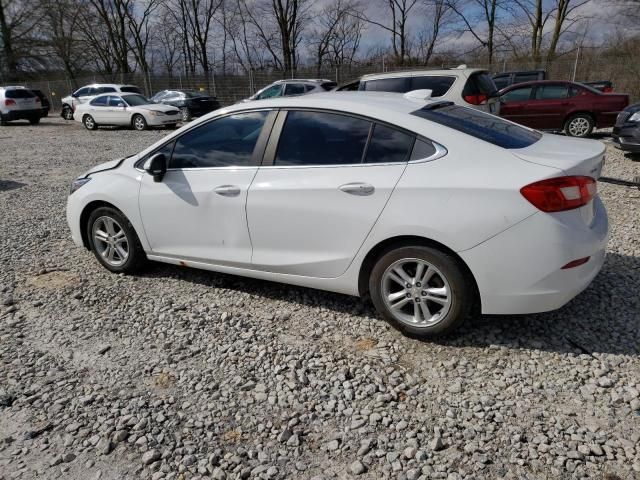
{"x":436,"y":211}
{"x":125,"y":109}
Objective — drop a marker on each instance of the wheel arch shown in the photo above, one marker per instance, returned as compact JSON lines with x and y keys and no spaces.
{"x":86,"y":213}
{"x":406,"y":240}
{"x":572,"y":114}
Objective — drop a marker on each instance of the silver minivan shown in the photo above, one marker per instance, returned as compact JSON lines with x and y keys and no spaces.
{"x":19,"y":103}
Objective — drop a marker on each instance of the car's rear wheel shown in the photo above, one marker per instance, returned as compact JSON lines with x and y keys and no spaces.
{"x":34,"y":120}
{"x":3,"y":121}
{"x":138,"y":122}
{"x":114,"y":241}
{"x":185,"y":114}
{"x":89,"y":123}
{"x":421,"y":291}
{"x":67,"y":113}
{"x":172,"y":126}
{"x":580,"y":125}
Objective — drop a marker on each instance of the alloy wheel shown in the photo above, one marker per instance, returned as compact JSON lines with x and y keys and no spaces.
{"x":579,"y":127}
{"x":139,"y":123}
{"x":110,"y":241}
{"x":415,"y":292}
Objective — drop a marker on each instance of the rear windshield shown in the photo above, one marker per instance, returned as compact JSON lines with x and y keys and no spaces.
{"x":480,"y":83}
{"x":130,"y":90}
{"x":19,"y":93}
{"x":481,"y":125}
{"x":437,"y":84}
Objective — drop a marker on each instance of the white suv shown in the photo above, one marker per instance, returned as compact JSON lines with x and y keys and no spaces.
{"x":292,"y":87}
{"x":469,"y":87}
{"x":85,"y":94}
{"x":19,"y":103}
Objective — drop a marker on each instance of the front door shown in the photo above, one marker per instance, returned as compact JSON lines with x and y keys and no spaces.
{"x":198,"y":210}
{"x":514,"y":106}
{"x":550,"y":106}
{"x":311,"y":210}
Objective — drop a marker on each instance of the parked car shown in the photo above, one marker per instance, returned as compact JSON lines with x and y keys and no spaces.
{"x":469,"y":87}
{"x":505,"y":79}
{"x":19,"y":103}
{"x":552,"y":105}
{"x":191,"y":104}
{"x":432,"y":210}
{"x":125,"y":109}
{"x":626,"y":131}
{"x":44,"y":102}
{"x":294,"y":86}
{"x":84,"y":94}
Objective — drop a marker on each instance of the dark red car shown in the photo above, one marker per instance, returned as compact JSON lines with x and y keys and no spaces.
{"x":555,"y":105}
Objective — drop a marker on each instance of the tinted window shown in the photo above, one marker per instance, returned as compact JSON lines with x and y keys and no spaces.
{"x":82,"y":92}
{"x":19,"y":93}
{"x":350,"y":87}
{"x":551,"y":92}
{"x":316,"y":138}
{"x":328,"y":85}
{"x":115,"y":101}
{"x":385,"y":85}
{"x":422,"y":150}
{"x":501,"y":81}
{"x":226,"y":142}
{"x":130,"y":90}
{"x":272,"y":91}
{"x":388,"y":145}
{"x":294,"y":89}
{"x":479,"y":83}
{"x":100,"y":101}
{"x":517,"y":95}
{"x":105,"y":90}
{"x":136,"y":100}
{"x":438,"y":85}
{"x":526,"y":77}
{"x":480,"y":125}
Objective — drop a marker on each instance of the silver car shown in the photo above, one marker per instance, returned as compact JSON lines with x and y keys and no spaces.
{"x":86,"y":93}
{"x":19,"y":103}
{"x":291,"y":87}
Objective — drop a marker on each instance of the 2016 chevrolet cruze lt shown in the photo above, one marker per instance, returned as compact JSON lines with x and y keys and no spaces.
{"x":432,"y":209}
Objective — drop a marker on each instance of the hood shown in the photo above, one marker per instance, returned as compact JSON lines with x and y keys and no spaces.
{"x":574,"y":156}
{"x":158,"y":107}
{"x":110,"y":165}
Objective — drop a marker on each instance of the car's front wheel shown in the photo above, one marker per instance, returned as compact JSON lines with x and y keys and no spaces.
{"x":89,"y":123}
{"x":34,"y":120}
{"x":185,"y":114}
{"x":580,"y":125}
{"x":114,"y":241}
{"x":421,"y":291}
{"x":138,"y":122}
{"x":67,"y":113}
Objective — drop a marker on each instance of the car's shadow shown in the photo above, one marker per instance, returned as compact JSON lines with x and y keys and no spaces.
{"x":6,"y":185}
{"x":605,"y":318}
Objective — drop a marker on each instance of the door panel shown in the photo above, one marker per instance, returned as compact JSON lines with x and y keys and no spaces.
{"x":549,"y":107}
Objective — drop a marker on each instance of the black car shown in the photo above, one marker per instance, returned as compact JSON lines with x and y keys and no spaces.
{"x":191,"y":103}
{"x":44,"y":101}
{"x":626,"y":132}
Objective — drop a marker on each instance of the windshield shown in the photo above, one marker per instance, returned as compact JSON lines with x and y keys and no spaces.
{"x":480,"y":125}
{"x":136,"y":100}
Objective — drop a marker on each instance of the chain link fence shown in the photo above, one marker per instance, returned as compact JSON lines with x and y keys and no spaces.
{"x":230,"y":88}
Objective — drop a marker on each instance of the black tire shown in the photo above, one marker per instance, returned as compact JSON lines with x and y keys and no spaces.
{"x":136,"y":257}
{"x":67,"y":113}
{"x":138,"y":122}
{"x":3,"y":121}
{"x":89,"y":123}
{"x":579,"y":125}
{"x":34,"y":120}
{"x":172,"y":126}
{"x":461,"y":290}
{"x":185,"y":114}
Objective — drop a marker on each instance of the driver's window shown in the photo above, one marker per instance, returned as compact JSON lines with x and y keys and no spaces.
{"x":82,"y":92}
{"x":273,"y":91}
{"x":226,"y":142}
{"x":294,"y":89}
{"x":115,"y":101}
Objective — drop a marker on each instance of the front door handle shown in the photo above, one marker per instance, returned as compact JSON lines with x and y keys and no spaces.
{"x":357,"y":188}
{"x":227,"y":190}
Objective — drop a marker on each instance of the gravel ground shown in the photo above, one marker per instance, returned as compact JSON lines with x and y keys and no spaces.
{"x":184,"y":374}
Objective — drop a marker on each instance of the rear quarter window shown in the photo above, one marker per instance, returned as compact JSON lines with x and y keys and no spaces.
{"x":480,"y":125}
{"x":479,"y":83}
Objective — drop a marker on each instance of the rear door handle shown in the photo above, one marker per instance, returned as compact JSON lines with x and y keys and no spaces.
{"x":357,"y":188}
{"x":227,"y":190}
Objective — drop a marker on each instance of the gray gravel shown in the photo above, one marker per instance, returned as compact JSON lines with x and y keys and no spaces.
{"x":184,"y":374}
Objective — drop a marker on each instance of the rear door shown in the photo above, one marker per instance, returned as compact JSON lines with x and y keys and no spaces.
{"x":99,"y":109}
{"x":550,"y":106}
{"x":321,"y":189}
{"x":116,"y":111}
{"x":515,"y":103}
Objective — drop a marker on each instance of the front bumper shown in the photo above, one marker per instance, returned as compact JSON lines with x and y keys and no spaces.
{"x":22,"y":114}
{"x":627,"y":137}
{"x":159,"y":120}
{"x":519,"y":271}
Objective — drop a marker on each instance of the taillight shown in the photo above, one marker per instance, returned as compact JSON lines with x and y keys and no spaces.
{"x":8,"y":102}
{"x":476,"y":99}
{"x":607,"y":89}
{"x":560,"y":193}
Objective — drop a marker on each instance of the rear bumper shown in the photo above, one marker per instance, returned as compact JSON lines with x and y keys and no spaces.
{"x":627,"y":137}
{"x":520,"y":270}
{"x":22,"y":114}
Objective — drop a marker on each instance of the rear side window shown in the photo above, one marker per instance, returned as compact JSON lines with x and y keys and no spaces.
{"x":398,"y":85}
{"x":501,"y":81}
{"x":437,"y":84}
{"x":388,"y":145}
{"x":551,"y":92}
{"x":517,"y":95}
{"x":479,"y":83}
{"x":130,"y":90}
{"x":294,"y":89}
{"x":19,"y":93}
{"x":480,"y":125}
{"x":100,"y":101}
{"x":106,"y":90}
{"x":318,"y":138}
{"x":225,"y":142}
{"x":115,"y":101}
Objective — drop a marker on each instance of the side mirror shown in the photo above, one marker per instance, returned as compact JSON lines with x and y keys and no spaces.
{"x":156,"y":166}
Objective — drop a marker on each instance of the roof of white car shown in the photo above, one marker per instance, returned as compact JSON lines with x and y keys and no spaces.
{"x":462,"y":69}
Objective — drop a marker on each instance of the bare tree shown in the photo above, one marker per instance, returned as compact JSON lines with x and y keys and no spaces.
{"x":564,"y":17}
{"x":19,"y":20}
{"x":138,"y":23}
{"x":438,"y":13}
